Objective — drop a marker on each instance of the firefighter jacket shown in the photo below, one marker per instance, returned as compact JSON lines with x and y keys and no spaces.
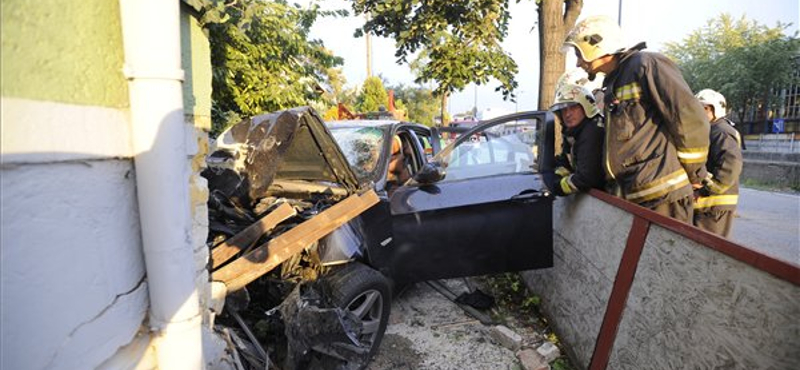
{"x":720,"y":189}
{"x":580,"y":163}
{"x":656,"y":130}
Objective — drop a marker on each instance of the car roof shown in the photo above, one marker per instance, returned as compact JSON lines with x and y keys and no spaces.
{"x":368,"y":123}
{"x":362,"y":123}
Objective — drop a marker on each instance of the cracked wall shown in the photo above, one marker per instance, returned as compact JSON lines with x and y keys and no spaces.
{"x":690,"y":306}
{"x":74,"y":293}
{"x":72,"y":266}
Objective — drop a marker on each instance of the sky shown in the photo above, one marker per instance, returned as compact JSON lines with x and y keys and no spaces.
{"x":656,"y":22}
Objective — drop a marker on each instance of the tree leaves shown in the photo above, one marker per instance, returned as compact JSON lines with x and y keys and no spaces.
{"x":418,"y":102}
{"x":458,"y":41}
{"x":263,"y":60}
{"x":373,"y":95}
{"x":741,"y":59}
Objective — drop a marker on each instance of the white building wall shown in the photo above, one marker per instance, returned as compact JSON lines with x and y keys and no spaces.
{"x":73,"y":285}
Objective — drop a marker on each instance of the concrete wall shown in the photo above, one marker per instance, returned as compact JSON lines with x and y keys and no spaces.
{"x":772,"y":168}
{"x":690,"y":306}
{"x":73,"y":281}
{"x":74,"y":291}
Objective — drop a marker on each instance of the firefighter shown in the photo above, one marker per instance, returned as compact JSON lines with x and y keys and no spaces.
{"x":656,"y":131}
{"x":579,"y":165}
{"x":716,"y":201}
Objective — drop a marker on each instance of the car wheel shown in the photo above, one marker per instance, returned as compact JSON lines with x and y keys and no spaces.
{"x":366,"y":294}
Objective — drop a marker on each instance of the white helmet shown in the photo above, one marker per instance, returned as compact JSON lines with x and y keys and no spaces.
{"x":571,"y":89}
{"x":715,"y":100}
{"x":595,"y":37}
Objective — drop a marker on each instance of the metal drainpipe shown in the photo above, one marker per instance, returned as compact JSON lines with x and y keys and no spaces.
{"x":151,"y":37}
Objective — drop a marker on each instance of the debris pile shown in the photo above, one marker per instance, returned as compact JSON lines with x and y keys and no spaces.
{"x":278,"y":185}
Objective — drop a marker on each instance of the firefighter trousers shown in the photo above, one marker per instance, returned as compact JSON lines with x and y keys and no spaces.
{"x":681,"y":209}
{"x":716,"y":222}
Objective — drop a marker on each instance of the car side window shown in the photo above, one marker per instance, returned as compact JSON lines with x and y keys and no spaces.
{"x":506,"y":148}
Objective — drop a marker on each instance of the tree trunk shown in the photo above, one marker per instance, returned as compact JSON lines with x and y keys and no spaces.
{"x":556,"y":18}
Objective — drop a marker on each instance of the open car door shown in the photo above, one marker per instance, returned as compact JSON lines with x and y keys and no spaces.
{"x":491,"y":212}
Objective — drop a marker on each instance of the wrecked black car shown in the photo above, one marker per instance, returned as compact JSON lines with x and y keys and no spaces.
{"x":320,"y":222}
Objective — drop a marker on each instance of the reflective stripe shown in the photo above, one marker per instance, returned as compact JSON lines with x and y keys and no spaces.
{"x":566,"y":185}
{"x":605,"y":154}
{"x":693,"y":155}
{"x":562,"y":171}
{"x":716,"y":187}
{"x":716,"y":200}
{"x":660,"y":187}
{"x":628,"y":92}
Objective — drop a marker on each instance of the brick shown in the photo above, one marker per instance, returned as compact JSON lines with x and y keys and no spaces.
{"x":549,"y":351}
{"x":506,"y":337}
{"x":532,"y":360}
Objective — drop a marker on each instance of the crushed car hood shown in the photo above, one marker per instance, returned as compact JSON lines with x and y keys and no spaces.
{"x":290,"y":150}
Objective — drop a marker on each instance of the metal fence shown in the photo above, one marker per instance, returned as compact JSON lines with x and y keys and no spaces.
{"x":776,"y":143}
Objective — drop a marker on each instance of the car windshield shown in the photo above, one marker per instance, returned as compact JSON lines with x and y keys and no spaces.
{"x":362,"y":147}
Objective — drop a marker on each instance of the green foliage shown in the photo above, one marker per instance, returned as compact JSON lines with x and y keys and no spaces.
{"x":561,"y":364}
{"x":510,"y":291}
{"x":459,"y":41}
{"x":418,"y":102}
{"x":373,"y":95}
{"x":262,"y":58}
{"x":741,"y":59}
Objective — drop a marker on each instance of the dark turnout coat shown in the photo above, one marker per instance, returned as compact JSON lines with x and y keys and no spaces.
{"x":656,"y":130}
{"x":720,"y":190}
{"x":582,"y":156}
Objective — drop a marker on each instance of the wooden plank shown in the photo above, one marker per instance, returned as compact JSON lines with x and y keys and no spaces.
{"x":241,"y":241}
{"x":266,"y":257}
{"x":619,"y":293}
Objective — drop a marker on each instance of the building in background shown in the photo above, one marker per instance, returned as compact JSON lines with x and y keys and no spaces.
{"x":782,"y":114}
{"x":105,"y":113}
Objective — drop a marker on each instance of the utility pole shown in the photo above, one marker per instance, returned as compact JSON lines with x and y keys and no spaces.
{"x":619,"y":14}
{"x":369,"y":51}
{"x":475,"y":104}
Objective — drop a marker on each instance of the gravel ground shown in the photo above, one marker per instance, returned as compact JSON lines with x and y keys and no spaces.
{"x":427,"y":331}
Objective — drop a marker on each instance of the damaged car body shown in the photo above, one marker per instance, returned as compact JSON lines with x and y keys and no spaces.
{"x":480,"y":205}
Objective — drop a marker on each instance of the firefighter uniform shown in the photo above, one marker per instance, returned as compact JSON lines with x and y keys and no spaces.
{"x":657,"y":133}
{"x":716,"y":204}
{"x":579,"y":165}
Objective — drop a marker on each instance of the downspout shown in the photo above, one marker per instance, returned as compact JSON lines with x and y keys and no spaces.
{"x":151,"y":36}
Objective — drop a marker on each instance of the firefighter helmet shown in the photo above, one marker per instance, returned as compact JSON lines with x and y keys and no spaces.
{"x":595,"y":37}
{"x":715,"y":100}
{"x":570,"y":90}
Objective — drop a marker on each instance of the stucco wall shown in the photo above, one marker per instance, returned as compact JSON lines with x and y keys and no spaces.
{"x":74,"y":293}
{"x":73,"y":281}
{"x":690,"y":306}
{"x":73,"y":288}
{"x":589,"y":237}
{"x":54,"y":50}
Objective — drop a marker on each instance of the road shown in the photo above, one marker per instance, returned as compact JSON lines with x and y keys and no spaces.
{"x":769,"y":222}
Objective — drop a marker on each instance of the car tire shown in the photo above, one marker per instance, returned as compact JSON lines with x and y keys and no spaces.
{"x":366,"y":293}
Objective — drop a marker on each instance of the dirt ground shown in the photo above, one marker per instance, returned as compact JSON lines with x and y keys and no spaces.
{"x":428,"y":331}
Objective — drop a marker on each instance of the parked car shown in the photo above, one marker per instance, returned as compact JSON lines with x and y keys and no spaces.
{"x":478,"y":206}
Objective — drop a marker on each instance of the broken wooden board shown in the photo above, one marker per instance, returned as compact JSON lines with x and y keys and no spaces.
{"x":241,"y":241}
{"x":266,"y":257}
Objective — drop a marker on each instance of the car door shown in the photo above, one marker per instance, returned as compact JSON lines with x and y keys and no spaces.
{"x":492,"y":211}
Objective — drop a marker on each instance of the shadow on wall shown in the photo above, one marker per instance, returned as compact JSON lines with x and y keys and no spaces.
{"x":83,"y":256}
{"x":635,"y":290}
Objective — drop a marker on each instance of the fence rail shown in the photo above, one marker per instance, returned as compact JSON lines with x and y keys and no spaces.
{"x":779,"y":143}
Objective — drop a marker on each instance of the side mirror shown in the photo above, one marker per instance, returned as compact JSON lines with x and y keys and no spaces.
{"x":430,"y":173}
